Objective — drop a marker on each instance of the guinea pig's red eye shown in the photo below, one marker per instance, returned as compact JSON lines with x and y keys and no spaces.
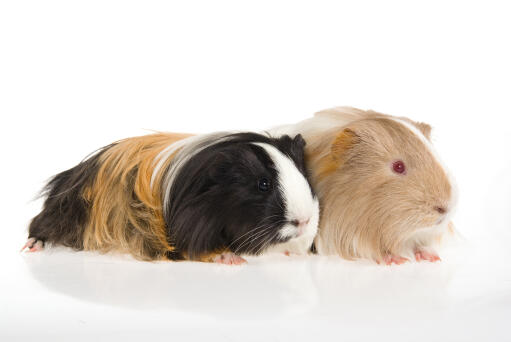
{"x":398,"y":166}
{"x":264,"y":184}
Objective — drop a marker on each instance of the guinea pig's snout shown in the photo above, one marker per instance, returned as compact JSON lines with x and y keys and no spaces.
{"x":301,"y":224}
{"x":440,"y":209}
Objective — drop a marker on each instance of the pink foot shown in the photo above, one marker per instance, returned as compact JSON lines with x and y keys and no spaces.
{"x":390,"y":259}
{"x":229,"y":259}
{"x":33,"y":245}
{"x":424,"y":255}
{"x":286,"y":253}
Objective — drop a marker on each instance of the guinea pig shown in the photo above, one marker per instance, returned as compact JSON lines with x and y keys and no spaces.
{"x":171,"y":196}
{"x":384,"y":192}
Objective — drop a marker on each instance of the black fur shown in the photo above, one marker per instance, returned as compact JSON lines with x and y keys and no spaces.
{"x":215,"y":202}
{"x":293,"y":148}
{"x":313,"y":249}
{"x":65,"y":212}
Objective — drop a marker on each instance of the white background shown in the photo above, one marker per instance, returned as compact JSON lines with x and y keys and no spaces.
{"x":77,"y":75}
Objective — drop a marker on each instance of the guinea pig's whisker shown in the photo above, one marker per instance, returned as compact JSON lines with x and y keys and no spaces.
{"x":257,"y":249}
{"x":259,"y":243}
{"x":259,"y":226}
{"x":266,"y":243}
{"x":251,"y":238}
{"x":239,"y":237}
{"x":250,"y":231}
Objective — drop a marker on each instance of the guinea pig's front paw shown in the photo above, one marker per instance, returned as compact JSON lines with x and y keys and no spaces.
{"x":421,"y":254}
{"x":33,"y":245}
{"x":392,"y":259}
{"x":229,"y":258}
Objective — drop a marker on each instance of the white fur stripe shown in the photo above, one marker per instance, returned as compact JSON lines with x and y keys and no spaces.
{"x":181,"y":151}
{"x":299,"y":202}
{"x":166,"y":154}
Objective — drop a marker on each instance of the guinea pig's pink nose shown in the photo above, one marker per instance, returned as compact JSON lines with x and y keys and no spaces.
{"x":440,"y":209}
{"x":300,"y":223}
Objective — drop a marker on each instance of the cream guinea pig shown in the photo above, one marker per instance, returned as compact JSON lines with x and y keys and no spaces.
{"x":384,"y":192}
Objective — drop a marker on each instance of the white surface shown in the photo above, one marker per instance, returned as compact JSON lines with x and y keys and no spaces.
{"x":77,"y":75}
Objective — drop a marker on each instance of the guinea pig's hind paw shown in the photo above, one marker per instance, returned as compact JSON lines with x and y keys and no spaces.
{"x":33,"y":245}
{"x":229,"y":258}
{"x":426,"y":255}
{"x":393,"y":259}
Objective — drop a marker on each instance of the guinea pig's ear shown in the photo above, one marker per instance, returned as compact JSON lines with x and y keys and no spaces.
{"x":344,"y":141}
{"x":298,"y":141}
{"x":424,"y":128}
{"x":293,"y":148}
{"x":297,"y":152}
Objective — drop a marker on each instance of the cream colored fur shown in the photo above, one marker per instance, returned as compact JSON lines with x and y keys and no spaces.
{"x":368,"y":211}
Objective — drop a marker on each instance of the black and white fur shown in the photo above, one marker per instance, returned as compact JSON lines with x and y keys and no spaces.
{"x":214,"y":199}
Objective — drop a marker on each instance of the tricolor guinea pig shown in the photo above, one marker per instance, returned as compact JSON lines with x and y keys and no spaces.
{"x":173,"y":196}
{"x":384,"y":192}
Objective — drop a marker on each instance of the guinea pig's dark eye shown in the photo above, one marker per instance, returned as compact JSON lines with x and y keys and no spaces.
{"x":398,"y":166}
{"x":264,"y":184}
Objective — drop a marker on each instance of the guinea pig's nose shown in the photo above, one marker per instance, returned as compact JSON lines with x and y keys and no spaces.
{"x":440,"y":209}
{"x":300,"y":223}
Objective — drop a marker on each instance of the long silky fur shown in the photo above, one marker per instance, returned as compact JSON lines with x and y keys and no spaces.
{"x":106,"y":202}
{"x":125,"y":197}
{"x":65,"y":205}
{"x":357,"y":219}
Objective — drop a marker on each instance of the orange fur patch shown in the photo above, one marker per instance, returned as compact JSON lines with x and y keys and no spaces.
{"x":126,"y":212}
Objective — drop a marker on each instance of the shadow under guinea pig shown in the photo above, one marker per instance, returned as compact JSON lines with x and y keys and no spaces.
{"x":262,"y":288}
{"x":265,"y":287}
